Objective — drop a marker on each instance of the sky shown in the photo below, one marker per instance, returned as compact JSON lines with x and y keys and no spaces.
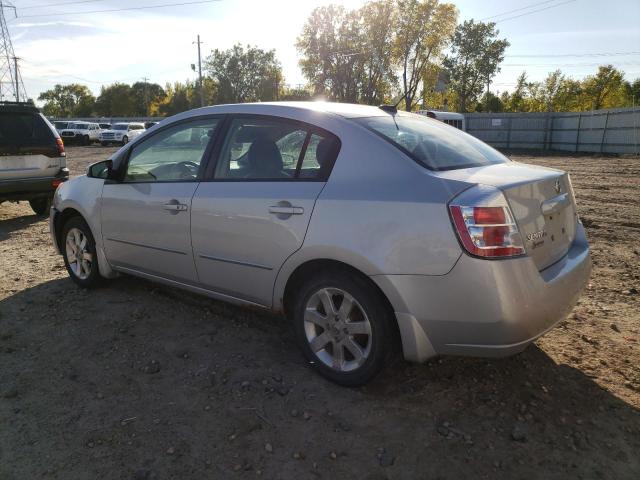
{"x":58,"y":43}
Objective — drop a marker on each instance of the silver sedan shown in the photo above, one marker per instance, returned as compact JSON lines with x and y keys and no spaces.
{"x":373,"y":230}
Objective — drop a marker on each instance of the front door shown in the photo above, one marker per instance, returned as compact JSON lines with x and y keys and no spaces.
{"x":146,"y":215}
{"x":254,"y":212}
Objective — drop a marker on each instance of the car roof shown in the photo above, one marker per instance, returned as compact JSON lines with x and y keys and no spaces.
{"x":18,"y":107}
{"x":346,"y":110}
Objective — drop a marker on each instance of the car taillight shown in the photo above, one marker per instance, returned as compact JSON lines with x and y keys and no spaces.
{"x":55,"y":183}
{"x":487,"y":232}
{"x":60,"y":146}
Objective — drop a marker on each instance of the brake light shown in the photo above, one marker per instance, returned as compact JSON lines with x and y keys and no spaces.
{"x":60,"y":145}
{"x":55,"y":183}
{"x":488,"y":232}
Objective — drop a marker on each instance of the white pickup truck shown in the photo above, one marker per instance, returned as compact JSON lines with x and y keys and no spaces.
{"x":121,"y":133}
{"x":83,"y":133}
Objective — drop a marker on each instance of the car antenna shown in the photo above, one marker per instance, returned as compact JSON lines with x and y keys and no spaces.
{"x":393,"y":109}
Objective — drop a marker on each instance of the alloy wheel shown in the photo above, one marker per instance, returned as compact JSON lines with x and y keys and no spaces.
{"x":337,"y":329}
{"x":78,"y":255}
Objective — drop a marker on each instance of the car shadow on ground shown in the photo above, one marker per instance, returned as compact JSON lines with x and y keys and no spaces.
{"x":14,"y":224}
{"x":134,"y":377}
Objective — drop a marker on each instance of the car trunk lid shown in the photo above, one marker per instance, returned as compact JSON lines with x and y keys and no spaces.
{"x":541,"y":200}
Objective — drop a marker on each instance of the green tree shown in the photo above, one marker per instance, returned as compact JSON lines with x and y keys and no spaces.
{"x":476,"y":54}
{"x":605,"y":89}
{"x":423,"y":29}
{"x":376,"y":20}
{"x":332,"y":46}
{"x":295,"y":94}
{"x":145,"y":94}
{"x":68,"y":101}
{"x":115,"y":100}
{"x":245,"y":75}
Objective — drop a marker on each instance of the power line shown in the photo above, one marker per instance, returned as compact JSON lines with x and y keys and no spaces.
{"x":199,"y":2}
{"x":58,"y":4}
{"x":517,"y":10}
{"x":534,"y":11}
{"x":557,"y":55}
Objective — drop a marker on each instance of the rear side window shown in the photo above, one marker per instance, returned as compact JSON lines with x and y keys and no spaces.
{"x":431,"y":143}
{"x":269,"y":148}
{"x":24,"y":129}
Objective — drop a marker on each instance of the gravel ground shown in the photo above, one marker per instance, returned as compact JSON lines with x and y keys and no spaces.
{"x":139,"y":381}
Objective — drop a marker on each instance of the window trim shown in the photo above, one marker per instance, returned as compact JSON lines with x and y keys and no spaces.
{"x":209,"y":174}
{"x":121,"y":169}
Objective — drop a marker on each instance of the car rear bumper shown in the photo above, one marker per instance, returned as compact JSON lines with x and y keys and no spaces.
{"x":30,"y":188}
{"x":486,"y":307}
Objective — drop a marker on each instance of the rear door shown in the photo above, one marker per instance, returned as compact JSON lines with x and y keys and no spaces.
{"x":146,"y":215}
{"x":254,"y":210}
{"x":27,"y":146}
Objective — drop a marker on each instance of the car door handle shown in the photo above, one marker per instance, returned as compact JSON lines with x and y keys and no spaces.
{"x":174,"y":206}
{"x":278,"y":210}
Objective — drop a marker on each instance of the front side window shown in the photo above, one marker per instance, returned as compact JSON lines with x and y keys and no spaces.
{"x":274,"y":149}
{"x":433,"y":144}
{"x":120,"y":127}
{"x":173,"y":154}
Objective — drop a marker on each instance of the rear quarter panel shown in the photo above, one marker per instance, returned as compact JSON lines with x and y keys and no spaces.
{"x":379,"y":212}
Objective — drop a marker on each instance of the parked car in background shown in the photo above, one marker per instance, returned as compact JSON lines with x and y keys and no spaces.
{"x":148,"y":125}
{"x":450,"y":118}
{"x":121,"y":133}
{"x":61,"y":125}
{"x":104,"y":126}
{"x":32,"y":157}
{"x":82,"y":133}
{"x":363,"y":225}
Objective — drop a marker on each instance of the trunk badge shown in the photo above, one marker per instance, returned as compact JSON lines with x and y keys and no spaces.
{"x":557,"y":186}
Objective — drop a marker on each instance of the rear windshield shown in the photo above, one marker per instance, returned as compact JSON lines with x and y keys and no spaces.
{"x":24,"y":129}
{"x":432,"y":143}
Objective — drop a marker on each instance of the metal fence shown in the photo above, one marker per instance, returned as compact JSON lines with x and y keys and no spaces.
{"x":599,"y":131}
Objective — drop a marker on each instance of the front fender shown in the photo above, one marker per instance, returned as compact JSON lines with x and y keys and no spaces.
{"x":84,"y":195}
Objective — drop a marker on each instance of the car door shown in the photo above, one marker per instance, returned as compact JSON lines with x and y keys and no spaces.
{"x":146,"y":212}
{"x":253,"y":210}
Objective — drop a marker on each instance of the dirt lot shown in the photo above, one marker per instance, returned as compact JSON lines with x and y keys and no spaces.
{"x":137,"y":381}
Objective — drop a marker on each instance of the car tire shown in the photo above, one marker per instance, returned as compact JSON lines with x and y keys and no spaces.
{"x":104,"y":144}
{"x":40,"y":206}
{"x":86,"y":140}
{"x":76,"y":241}
{"x":347,"y":348}
{"x":125,"y":140}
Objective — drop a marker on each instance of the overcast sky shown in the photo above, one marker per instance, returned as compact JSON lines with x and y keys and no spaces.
{"x":60,"y":44}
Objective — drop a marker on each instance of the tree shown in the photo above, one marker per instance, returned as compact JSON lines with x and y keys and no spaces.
{"x":476,"y":54}
{"x":376,"y":21}
{"x":332,"y":47}
{"x":68,"y":101}
{"x":115,"y":100}
{"x":245,"y":75}
{"x":423,"y":29}
{"x":145,"y":94}
{"x":605,"y":89}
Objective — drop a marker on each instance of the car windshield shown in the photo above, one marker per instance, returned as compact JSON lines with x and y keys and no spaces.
{"x":61,"y":125}
{"x":432,"y":143}
{"x":121,"y":126}
{"x":80,"y":126}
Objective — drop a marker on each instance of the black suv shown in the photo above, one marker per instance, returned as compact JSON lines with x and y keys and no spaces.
{"x":32,"y":158}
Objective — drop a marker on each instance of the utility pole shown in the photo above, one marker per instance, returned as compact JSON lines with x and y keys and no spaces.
{"x":9,"y":72}
{"x":144,"y":93}
{"x":200,"y":73}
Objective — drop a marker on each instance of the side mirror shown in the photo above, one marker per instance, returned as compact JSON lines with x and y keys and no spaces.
{"x":100,"y":170}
